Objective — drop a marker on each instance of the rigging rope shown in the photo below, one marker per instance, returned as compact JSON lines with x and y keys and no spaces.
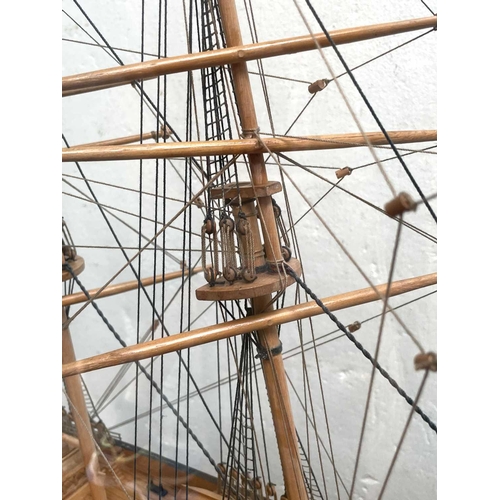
{"x":367,"y":355}
{"x":370,"y":108}
{"x":68,"y":268}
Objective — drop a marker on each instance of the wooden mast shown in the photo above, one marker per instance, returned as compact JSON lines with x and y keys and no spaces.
{"x":81,"y":417}
{"x":242,"y":146}
{"x":122,"y":75}
{"x":272,"y":365}
{"x":248,"y":324}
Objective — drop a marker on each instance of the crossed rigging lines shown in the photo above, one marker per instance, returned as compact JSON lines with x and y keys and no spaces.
{"x":96,"y":201}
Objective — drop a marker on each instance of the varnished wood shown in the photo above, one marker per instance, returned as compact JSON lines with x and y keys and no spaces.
{"x":146,"y":465}
{"x":76,"y":298}
{"x":72,"y":462}
{"x":77,"y":266}
{"x":203,"y":493}
{"x":266,"y":283}
{"x":276,"y":384}
{"x":122,"y":75}
{"x":83,"y":493}
{"x":163,"y":133}
{"x":245,"y":190}
{"x":242,"y":146}
{"x":134,"y":470}
{"x":81,"y":417}
{"x":70,"y":440}
{"x":281,"y":408}
{"x":221,"y":331}
{"x":267,"y":332}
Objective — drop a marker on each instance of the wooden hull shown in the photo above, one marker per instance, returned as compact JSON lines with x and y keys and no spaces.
{"x":131,"y":475}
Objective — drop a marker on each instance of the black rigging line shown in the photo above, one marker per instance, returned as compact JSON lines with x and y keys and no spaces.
{"x":134,"y":84}
{"x":109,"y":225}
{"x":372,"y":111}
{"x":103,"y":47}
{"x":302,"y":347}
{"x":338,"y":186}
{"x":68,"y":268}
{"x":428,"y":8}
{"x":187,"y":223}
{"x":190,"y":375}
{"x":353,"y":339}
{"x":386,"y":52}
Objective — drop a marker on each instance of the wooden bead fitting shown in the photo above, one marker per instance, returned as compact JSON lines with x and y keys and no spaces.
{"x":257,"y":485}
{"x":402,"y":203}
{"x":270,"y":489}
{"x":342,"y":172}
{"x":317,"y":86}
{"x":230,"y":274}
{"x":286,"y":253}
{"x":209,"y":226}
{"x":199,"y":202}
{"x":163,"y":133}
{"x":354,"y":327}
{"x":248,"y":276}
{"x":266,"y":282}
{"x":227,"y":222}
{"x":209,"y":274}
{"x":242,"y":226}
{"x":426,"y":361}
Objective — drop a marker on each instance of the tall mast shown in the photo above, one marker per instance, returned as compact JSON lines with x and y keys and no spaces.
{"x":77,"y":404}
{"x":273,"y":368}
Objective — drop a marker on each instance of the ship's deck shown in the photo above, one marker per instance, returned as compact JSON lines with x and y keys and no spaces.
{"x":130,"y":474}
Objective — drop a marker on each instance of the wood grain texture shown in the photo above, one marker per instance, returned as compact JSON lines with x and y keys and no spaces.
{"x":81,"y":417}
{"x":260,"y":290}
{"x":130,"y":139}
{"x":242,"y":146}
{"x":77,"y":298}
{"x":208,"y":334}
{"x":77,"y":265}
{"x":265,"y":284}
{"x":122,"y":75}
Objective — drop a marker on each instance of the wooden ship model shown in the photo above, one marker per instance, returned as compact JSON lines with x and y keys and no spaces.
{"x":201,"y":312}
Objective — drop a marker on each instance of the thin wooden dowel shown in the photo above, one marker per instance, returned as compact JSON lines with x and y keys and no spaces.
{"x":130,"y":139}
{"x":78,"y":408}
{"x":241,"y":146}
{"x":208,"y":334}
{"x":122,"y":75}
{"x":77,"y":298}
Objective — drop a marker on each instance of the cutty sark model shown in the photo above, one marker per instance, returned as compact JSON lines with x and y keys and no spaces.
{"x":249,"y":250}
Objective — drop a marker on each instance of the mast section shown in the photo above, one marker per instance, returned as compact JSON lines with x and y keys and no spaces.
{"x":74,"y":392}
{"x":273,"y":368}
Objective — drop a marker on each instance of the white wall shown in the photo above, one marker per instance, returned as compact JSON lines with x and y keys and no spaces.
{"x":402,"y":89}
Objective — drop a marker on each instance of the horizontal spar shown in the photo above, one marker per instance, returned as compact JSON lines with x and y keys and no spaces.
{"x":245,"y":325}
{"x":77,"y":298}
{"x":241,"y":146}
{"x":163,"y":133}
{"x":122,"y":75}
